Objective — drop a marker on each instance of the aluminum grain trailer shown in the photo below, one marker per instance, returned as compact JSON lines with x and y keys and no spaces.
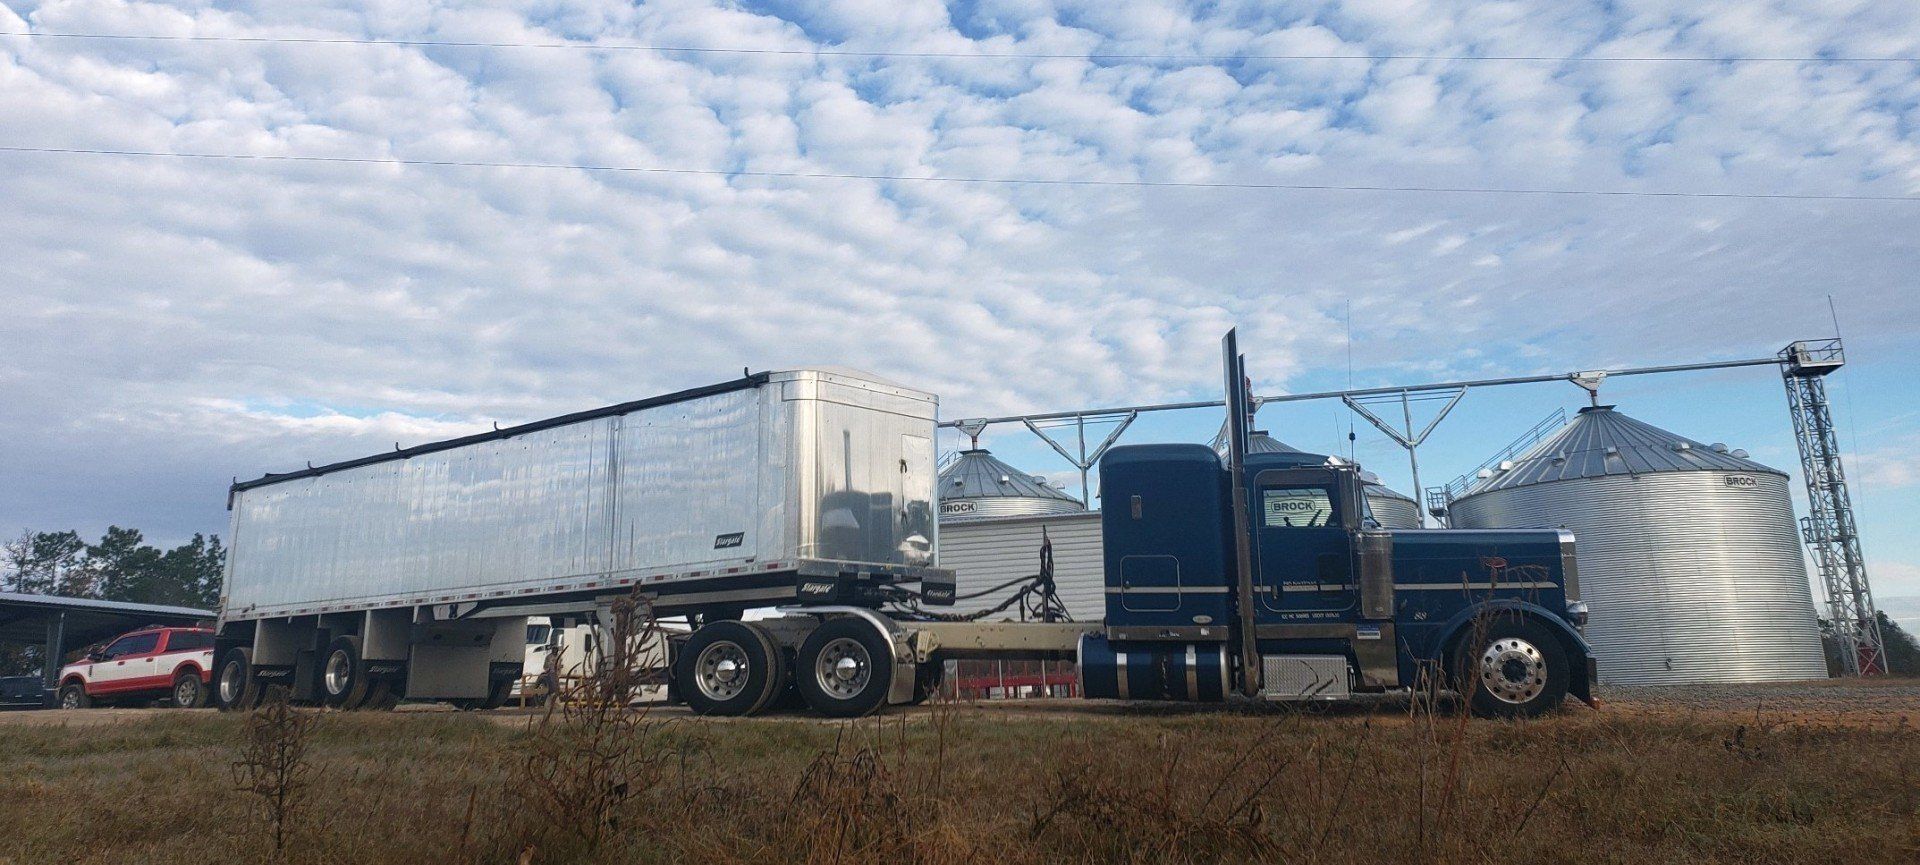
{"x":412,"y":573}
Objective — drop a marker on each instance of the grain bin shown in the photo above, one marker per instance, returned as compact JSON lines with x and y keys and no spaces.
{"x":1391,"y":508}
{"x":1688,"y":553}
{"x":977,"y":485}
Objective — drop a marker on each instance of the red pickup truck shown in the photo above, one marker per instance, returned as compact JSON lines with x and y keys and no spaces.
{"x":152,"y":663}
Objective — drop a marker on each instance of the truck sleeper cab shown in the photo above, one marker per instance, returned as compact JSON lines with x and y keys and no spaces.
{"x":1338,"y":606}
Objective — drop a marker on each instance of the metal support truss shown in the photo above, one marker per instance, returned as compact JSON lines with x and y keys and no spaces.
{"x":1084,"y":461}
{"x":1829,"y":528}
{"x":1407,"y":438}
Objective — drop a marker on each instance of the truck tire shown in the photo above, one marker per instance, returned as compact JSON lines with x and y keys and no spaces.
{"x":73,"y":695}
{"x":1515,"y":668}
{"x":729,"y":668}
{"x":343,"y":675}
{"x":498,"y":693}
{"x":845,"y":668}
{"x":234,"y":687}
{"x":189,"y":692}
{"x":382,"y":696}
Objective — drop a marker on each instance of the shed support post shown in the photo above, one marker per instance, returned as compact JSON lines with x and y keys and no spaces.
{"x":55,"y":648}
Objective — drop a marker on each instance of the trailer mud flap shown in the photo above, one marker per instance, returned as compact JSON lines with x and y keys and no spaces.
{"x":1153,"y":671}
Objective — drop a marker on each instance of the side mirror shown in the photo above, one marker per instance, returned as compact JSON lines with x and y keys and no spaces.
{"x":96,"y":655}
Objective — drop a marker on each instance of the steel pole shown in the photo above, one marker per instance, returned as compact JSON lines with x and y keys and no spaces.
{"x":1413,"y":449}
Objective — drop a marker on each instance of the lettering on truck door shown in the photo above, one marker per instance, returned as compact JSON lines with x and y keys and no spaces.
{"x":1305,"y":567}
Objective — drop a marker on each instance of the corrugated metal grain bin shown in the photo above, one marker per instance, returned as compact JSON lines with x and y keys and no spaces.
{"x":1688,"y":553}
{"x":987,"y":552}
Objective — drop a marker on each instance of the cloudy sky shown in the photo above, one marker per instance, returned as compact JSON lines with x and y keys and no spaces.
{"x":170,"y":323}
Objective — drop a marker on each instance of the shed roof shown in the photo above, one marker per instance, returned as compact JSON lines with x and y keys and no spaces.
{"x":23,"y":618}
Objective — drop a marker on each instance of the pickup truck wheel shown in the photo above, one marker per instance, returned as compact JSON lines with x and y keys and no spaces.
{"x":729,"y":668}
{"x":1515,"y":669}
{"x":188,"y":691}
{"x":845,"y":668}
{"x":343,"y":676}
{"x":73,"y":695}
{"x":234,"y":687}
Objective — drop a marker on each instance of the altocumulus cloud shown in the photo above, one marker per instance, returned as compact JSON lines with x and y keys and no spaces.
{"x":162,"y":315}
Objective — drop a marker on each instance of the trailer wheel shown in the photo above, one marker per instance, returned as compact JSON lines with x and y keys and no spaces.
{"x":729,"y":668}
{"x":234,"y":688}
{"x":343,"y":676}
{"x":1515,"y":669}
{"x":845,"y":668}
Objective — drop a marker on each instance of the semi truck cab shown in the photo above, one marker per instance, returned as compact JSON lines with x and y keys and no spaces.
{"x":1332,"y":605}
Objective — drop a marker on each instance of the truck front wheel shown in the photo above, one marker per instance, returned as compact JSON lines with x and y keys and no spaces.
{"x":729,"y":668}
{"x":845,"y":668}
{"x":1513,"y":668}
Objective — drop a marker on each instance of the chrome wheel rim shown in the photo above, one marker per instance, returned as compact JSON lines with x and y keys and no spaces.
{"x":230,"y":684}
{"x":843,"y":668}
{"x":721,"y":671}
{"x":1513,"y":670}
{"x":70,"y":699}
{"x":339,"y":673}
{"x":185,"y":691}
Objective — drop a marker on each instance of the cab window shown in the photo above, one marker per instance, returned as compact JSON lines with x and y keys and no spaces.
{"x":133,"y":644}
{"x":1297,"y":507}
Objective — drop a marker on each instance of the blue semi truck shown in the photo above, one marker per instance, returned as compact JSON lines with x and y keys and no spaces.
{"x":1328,"y":604}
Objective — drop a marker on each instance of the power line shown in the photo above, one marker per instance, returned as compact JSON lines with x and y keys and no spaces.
{"x":908,"y":178}
{"x":1197,"y":59}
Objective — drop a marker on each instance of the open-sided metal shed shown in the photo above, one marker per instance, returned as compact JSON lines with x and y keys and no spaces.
{"x":60,"y":624}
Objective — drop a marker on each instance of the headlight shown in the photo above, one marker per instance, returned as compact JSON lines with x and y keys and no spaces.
{"x":1577,"y":611}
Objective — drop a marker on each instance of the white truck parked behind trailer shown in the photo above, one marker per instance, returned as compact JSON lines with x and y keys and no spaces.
{"x":413,"y":573}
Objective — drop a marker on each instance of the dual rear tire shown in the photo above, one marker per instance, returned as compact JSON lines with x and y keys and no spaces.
{"x":843,"y":669}
{"x":344,"y":681}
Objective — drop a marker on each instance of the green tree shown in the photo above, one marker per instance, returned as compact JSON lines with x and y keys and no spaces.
{"x":125,"y":569}
{"x":191,"y":573}
{"x":1902,"y":652}
{"x":120,"y":567}
{"x":46,"y":563}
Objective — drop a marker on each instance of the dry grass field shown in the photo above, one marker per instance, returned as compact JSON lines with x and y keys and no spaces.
{"x":1824,"y":773}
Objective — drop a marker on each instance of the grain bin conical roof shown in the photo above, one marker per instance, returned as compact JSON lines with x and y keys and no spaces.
{"x":1601,"y":442}
{"x":978,"y":474}
{"x":1260,"y":442}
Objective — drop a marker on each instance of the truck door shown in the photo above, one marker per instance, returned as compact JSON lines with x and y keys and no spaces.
{"x":128,"y":663}
{"x":1303,"y":544}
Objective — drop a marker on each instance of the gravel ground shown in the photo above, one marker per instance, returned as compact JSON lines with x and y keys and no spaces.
{"x":1836,"y":700}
